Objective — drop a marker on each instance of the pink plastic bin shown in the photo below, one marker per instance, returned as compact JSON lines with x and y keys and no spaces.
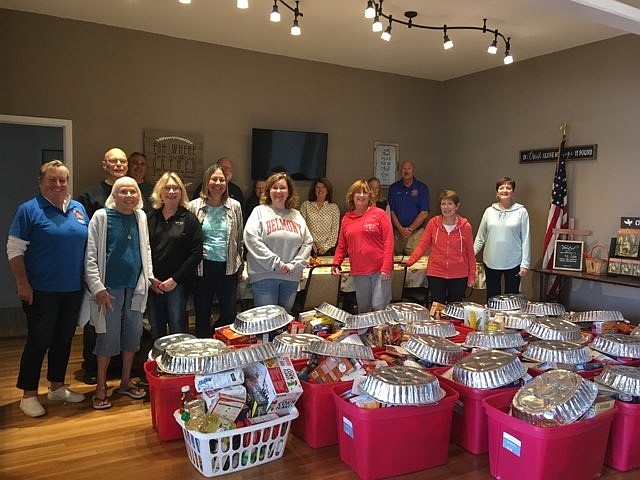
{"x":385,"y":442}
{"x":623,"y":451}
{"x":519,"y":450}
{"x":164,"y":396}
{"x":469,"y":428}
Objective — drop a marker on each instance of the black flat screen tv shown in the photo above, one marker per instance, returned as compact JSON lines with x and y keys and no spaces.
{"x":302,"y":155}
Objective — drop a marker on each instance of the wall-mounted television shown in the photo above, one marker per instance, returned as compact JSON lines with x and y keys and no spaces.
{"x":303,"y":155}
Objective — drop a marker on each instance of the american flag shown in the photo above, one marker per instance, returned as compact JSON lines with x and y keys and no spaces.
{"x":558,"y":218}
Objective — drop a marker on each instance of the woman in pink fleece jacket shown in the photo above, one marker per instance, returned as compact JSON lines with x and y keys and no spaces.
{"x":366,"y":235}
{"x":452,"y":262}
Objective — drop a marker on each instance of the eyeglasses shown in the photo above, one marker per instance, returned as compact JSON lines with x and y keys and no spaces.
{"x":115,"y":161}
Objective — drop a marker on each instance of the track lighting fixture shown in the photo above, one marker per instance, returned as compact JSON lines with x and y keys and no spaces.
{"x":243,"y":4}
{"x":275,"y":14}
{"x":493,"y":48}
{"x":370,"y":11}
{"x":446,"y":42}
{"x":386,"y":35}
{"x":507,"y":54}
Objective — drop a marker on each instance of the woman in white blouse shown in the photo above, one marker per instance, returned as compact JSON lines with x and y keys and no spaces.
{"x":322,"y":217}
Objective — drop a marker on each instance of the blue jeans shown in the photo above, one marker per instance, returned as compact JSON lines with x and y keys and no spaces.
{"x":372,"y":293}
{"x":214,"y":281}
{"x":272,"y":291}
{"x":165,"y":309}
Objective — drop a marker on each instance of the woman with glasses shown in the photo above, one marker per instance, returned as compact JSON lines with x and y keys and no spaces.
{"x":278,"y":245}
{"x":175,"y":237}
{"x":220,"y":218}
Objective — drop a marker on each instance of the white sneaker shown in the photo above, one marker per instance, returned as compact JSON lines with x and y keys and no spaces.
{"x":65,"y":395}
{"x":31,"y":407}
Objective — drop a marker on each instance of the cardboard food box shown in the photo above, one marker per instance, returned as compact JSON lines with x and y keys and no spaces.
{"x":276,"y":380}
{"x":332,"y":369}
{"x":226,"y":402}
{"x":229,"y":337}
{"x":476,"y":316}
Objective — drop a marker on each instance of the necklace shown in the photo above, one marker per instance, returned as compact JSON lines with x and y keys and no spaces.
{"x":127,"y":230}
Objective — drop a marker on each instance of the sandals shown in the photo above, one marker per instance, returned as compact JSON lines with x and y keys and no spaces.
{"x":133,"y":392}
{"x":100,"y":403}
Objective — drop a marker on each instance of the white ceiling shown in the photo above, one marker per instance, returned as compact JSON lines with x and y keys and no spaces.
{"x":335,"y":31}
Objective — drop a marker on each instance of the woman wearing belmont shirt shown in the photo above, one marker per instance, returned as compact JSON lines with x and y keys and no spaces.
{"x":278,"y":245}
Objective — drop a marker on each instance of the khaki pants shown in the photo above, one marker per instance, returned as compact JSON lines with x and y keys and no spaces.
{"x":406,"y":246}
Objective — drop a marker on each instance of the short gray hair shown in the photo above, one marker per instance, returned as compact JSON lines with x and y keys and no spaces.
{"x":117,"y":185}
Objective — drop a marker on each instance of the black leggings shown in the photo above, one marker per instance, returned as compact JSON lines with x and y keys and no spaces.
{"x":511,"y":280}
{"x":447,"y":290}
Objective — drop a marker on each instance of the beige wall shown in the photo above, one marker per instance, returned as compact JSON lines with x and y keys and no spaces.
{"x":113,"y":83}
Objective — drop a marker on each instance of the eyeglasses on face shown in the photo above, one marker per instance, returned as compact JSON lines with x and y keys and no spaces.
{"x":115,"y":161}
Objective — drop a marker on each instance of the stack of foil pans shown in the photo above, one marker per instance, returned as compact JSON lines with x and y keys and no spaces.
{"x":161,"y":344}
{"x":621,"y":378}
{"x":518,"y":321}
{"x":494,"y":340}
{"x":239,"y":358}
{"x":261,"y":320}
{"x":557,"y":351}
{"x":548,"y":328}
{"x":340,"y":349}
{"x":509,"y":301}
{"x":370,"y":319}
{"x":556,"y":397}
{"x":294,"y":344}
{"x":543,"y":308}
{"x":597,"y":316}
{"x":189,"y":356}
{"x":333,"y":312}
{"x":617,"y":344}
{"x":635,"y":332}
{"x":488,"y":369}
{"x":454,"y":310}
{"x":436,"y":328}
{"x":410,"y":312}
{"x":402,"y":386}
{"x":434,"y":349}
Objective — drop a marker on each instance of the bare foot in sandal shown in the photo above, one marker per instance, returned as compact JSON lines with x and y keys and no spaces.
{"x":100,"y":402}
{"x":132,"y":391}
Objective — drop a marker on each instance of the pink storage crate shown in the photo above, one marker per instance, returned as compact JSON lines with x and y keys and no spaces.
{"x":469,"y":428}
{"x":385,"y":442}
{"x":623,"y":451}
{"x":520,"y":450}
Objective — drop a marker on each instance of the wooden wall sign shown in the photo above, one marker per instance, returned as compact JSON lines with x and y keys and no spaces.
{"x":577,"y":152}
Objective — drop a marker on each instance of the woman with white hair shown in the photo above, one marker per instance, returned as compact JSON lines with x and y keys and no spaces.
{"x":118,"y":273}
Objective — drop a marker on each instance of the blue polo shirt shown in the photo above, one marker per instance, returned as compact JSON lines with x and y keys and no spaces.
{"x":408,"y":202}
{"x":54,"y":258}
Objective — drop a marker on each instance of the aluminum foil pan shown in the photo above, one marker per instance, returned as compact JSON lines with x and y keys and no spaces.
{"x":543,"y":308}
{"x":436,"y":328}
{"x":488,"y":369}
{"x":622,"y":378}
{"x":410,"y":312}
{"x":557,"y":351}
{"x":508,"y":301}
{"x":189,"y":356}
{"x":333,"y":312}
{"x":518,"y":321}
{"x":597,"y":316}
{"x":371,"y":319}
{"x":617,"y":344}
{"x":261,"y":320}
{"x":635,"y":332}
{"x":548,"y":328}
{"x":162,"y":343}
{"x":294,"y":344}
{"x":403,"y":386}
{"x":556,"y":397}
{"x":436,"y":350}
{"x":454,"y":310}
{"x":340,"y":349}
{"x":498,"y":340}
{"x":239,"y":358}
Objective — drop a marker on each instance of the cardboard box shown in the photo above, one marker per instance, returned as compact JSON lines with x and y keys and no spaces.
{"x":476,"y":316}
{"x":275,"y":380}
{"x":227,"y":402}
{"x":331,"y":370}
{"x":229,"y":337}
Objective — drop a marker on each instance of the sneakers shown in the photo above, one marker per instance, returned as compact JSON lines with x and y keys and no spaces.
{"x":65,"y":395}
{"x":31,"y":407}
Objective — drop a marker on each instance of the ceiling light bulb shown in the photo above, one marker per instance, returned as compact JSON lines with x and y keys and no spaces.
{"x":386,"y":35}
{"x":242,"y":4}
{"x":447,"y":42}
{"x":377,"y":25}
{"x":493,"y":48}
{"x":507,"y":58}
{"x":370,"y":11}
{"x":275,"y":14}
{"x":295,"y":28}
{"x":185,"y":2}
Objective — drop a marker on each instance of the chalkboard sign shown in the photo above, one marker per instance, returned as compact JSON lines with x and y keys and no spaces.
{"x":567,"y":255}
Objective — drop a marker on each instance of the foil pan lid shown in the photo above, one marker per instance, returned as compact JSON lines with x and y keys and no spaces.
{"x":410,"y":312}
{"x":518,"y":321}
{"x":596,"y":316}
{"x":557,"y":351}
{"x":617,"y":344}
{"x":436,"y":328}
{"x":333,"y":312}
{"x":189,"y":356}
{"x":556,"y":397}
{"x":371,"y":319}
{"x":622,"y":378}
{"x":509,"y":301}
{"x":294,"y":344}
{"x":238,"y":358}
{"x":436,"y":350}
{"x":340,"y":349}
{"x":455,"y":310}
{"x":162,"y":343}
{"x":488,"y":369}
{"x":498,"y":340}
{"x":544,"y":308}
{"x":635,"y":332}
{"x":261,"y":320}
{"x":402,"y":386}
{"x":550,"y":328}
